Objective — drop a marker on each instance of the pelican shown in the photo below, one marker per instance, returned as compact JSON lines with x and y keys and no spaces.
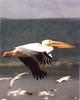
{"x":37,"y":55}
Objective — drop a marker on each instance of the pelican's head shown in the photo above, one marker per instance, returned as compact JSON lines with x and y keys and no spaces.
{"x":56,"y":44}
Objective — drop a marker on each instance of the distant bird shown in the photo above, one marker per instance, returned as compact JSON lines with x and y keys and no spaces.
{"x":5,"y":78}
{"x":19,"y":91}
{"x":46,"y":93}
{"x":64,"y":79}
{"x":16,"y":78}
{"x":36,"y":56}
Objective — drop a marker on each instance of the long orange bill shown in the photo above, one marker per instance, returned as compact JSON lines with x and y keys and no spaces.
{"x":60,"y":45}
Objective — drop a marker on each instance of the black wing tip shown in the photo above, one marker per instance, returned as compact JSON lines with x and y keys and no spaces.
{"x":40,"y":75}
{"x":34,"y":67}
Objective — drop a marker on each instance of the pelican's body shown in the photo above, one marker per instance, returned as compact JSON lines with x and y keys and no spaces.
{"x":36,"y":55}
{"x":34,"y":47}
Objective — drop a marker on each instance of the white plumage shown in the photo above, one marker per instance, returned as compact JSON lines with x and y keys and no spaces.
{"x":34,"y":47}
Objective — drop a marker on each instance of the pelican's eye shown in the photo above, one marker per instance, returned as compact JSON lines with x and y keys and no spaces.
{"x":50,"y":41}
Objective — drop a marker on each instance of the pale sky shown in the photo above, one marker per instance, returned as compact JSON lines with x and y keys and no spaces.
{"x":40,"y":8}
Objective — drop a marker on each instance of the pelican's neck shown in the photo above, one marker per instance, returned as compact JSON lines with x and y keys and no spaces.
{"x":48,"y":49}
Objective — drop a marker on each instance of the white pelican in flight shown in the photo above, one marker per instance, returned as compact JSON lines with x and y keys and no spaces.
{"x":36,"y":55}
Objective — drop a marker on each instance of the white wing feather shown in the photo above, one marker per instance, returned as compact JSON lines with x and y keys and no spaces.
{"x":32,"y":46}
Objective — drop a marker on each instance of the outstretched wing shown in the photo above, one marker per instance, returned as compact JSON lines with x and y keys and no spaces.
{"x":34,"y":67}
{"x":43,"y":58}
{"x":34,"y":60}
